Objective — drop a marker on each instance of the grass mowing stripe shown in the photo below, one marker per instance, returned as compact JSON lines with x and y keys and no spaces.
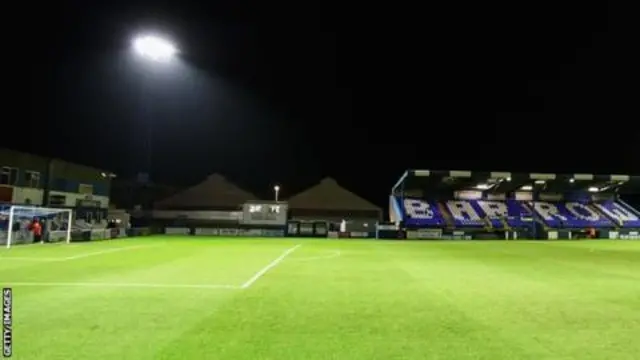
{"x":108,"y":251}
{"x":123,"y":285}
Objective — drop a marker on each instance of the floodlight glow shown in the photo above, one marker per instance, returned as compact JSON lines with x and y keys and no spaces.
{"x":593,"y":189}
{"x":276,"y":190}
{"x":154,"y":48}
{"x":527,"y":188}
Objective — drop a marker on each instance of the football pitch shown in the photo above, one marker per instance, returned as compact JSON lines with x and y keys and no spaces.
{"x":297,"y":299}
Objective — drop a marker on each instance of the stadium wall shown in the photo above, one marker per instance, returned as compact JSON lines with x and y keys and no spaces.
{"x":196,"y":215}
{"x":384,"y":232}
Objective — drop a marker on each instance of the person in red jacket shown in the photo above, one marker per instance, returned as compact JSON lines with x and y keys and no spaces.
{"x":36,"y":229}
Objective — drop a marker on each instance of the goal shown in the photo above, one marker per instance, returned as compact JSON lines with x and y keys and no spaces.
{"x":15,"y":221}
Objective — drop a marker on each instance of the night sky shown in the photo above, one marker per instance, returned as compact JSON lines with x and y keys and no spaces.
{"x":274,"y":92}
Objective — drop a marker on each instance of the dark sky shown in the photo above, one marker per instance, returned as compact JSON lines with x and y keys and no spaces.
{"x":273,"y":92}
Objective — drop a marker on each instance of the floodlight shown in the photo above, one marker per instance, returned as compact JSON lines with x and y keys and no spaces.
{"x":154,"y":48}
{"x":276,"y":190}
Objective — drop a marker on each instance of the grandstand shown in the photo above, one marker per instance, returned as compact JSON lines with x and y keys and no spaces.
{"x":489,"y":205}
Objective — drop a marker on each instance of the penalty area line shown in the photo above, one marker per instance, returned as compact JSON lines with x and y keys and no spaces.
{"x":270,"y":266}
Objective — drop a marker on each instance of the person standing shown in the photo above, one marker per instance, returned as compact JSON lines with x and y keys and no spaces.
{"x":36,"y":229}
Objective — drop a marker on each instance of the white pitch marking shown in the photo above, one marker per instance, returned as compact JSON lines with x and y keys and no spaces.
{"x":270,"y":266}
{"x":332,"y":255}
{"x":129,"y":285}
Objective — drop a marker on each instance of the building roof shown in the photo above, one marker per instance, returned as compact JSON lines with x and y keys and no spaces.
{"x":328,"y":195}
{"x":501,"y":182}
{"x":214,"y":192}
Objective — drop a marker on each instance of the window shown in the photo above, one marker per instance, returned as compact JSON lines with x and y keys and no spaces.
{"x":8,"y":175}
{"x":57,"y":200}
{"x":255,"y":208}
{"x":275,"y":209}
{"x":32,"y":179}
{"x":87,"y":202}
{"x":4,"y":176}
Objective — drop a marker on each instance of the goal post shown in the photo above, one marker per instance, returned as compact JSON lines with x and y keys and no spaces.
{"x":57,"y":223}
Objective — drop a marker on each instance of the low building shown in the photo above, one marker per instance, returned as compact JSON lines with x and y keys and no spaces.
{"x":331,"y":203}
{"x":27,"y":179}
{"x":213,"y":201}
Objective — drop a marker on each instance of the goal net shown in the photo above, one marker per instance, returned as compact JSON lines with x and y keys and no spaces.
{"x":15,"y":224}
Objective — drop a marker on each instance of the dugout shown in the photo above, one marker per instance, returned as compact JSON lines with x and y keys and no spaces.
{"x":442,"y":186}
{"x":326,"y":204}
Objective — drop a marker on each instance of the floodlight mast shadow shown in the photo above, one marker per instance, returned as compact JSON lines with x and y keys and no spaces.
{"x":157,"y":50}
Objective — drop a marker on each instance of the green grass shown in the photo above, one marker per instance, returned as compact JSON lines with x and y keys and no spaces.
{"x":328,"y":299}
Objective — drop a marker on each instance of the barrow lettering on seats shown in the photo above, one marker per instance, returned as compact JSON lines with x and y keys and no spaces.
{"x":617,"y":211}
{"x":548,"y":211}
{"x":582,"y":211}
{"x":418,"y":209}
{"x":494,"y":208}
{"x":462,"y":210}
